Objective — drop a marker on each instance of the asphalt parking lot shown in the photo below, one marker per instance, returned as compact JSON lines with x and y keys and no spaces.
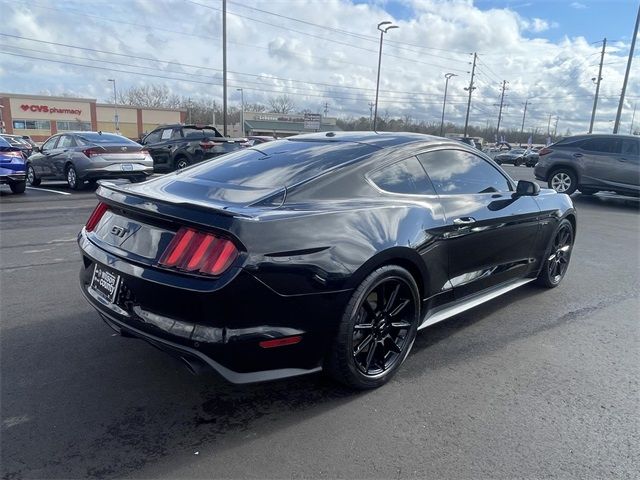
{"x":534,"y":384}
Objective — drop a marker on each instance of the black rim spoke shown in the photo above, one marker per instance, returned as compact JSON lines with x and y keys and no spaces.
{"x":380,"y":330}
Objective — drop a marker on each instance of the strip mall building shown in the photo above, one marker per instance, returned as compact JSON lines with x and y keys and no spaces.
{"x":41,"y":116}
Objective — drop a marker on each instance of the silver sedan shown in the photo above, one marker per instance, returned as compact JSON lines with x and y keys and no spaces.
{"x":78,"y":157}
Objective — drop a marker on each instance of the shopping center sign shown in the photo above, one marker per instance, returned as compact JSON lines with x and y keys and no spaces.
{"x":51,"y":110}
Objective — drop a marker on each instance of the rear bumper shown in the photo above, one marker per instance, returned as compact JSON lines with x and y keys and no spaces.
{"x":115,"y":171}
{"x":12,"y":177}
{"x":218,"y":328}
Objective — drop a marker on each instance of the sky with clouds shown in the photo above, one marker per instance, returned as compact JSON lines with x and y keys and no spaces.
{"x":321,"y":51}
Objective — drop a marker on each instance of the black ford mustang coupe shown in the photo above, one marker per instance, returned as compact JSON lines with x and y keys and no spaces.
{"x":323,"y":251}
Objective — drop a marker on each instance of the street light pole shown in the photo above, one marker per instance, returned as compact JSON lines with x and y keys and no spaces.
{"x":115,"y":105}
{"x":241,"y":107}
{"x":384,"y":27}
{"x":524,"y":115}
{"x":444,"y":101}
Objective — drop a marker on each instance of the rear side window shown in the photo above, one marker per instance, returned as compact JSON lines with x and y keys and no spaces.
{"x":406,"y":176}
{"x":277,"y":164}
{"x":455,"y":172}
{"x":601,"y":145}
{"x":631,"y":147}
{"x":66,"y":141}
{"x":190,"y":132}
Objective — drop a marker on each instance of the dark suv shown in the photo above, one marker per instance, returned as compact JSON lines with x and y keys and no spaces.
{"x":177,"y":146}
{"x":591,"y":163}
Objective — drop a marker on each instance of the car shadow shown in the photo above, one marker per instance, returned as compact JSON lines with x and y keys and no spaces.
{"x":608,"y":200}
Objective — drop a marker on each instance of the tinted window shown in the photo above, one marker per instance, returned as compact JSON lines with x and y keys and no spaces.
{"x":153,"y":137}
{"x":602,"y":145}
{"x":91,"y":137}
{"x":458,"y":172}
{"x":276,"y":164}
{"x":406,"y":176}
{"x":49,"y":144}
{"x":189,"y":132}
{"x":631,"y":147}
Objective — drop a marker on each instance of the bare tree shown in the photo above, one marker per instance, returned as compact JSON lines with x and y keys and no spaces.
{"x":282,"y":104}
{"x":254,"y":107}
{"x":153,"y":96}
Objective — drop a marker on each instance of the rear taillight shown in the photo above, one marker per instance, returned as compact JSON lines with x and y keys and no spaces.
{"x":144,"y":151}
{"x":208,"y":145}
{"x":90,"y":152}
{"x":544,"y":151}
{"x":95,"y":217}
{"x":16,"y":153}
{"x":193,"y":251}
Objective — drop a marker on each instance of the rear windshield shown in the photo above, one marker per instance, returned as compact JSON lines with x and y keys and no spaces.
{"x":279,"y":163}
{"x":190,"y":132}
{"x":91,"y":137}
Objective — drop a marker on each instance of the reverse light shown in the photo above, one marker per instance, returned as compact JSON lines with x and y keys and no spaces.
{"x":193,"y":251}
{"x":95,"y":217}
{"x":91,"y":152}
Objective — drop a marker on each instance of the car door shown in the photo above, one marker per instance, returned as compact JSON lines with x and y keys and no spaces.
{"x":42,"y":163}
{"x":62,"y":155}
{"x":598,"y":155}
{"x":159,"y":145}
{"x":628,"y":161}
{"x":490,"y":231}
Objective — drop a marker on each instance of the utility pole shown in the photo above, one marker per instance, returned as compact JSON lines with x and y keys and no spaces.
{"x":504,"y":87}
{"x":549,"y":126}
{"x":471,"y":88}
{"x":524,"y":115}
{"x":224,"y":67}
{"x":326,"y":108}
{"x":371,"y":105}
{"x":595,"y":99}
{"x":555,"y":128}
{"x":616,"y":125}
{"x":189,"y":108}
{"x":633,"y":117}
{"x":447,"y":76}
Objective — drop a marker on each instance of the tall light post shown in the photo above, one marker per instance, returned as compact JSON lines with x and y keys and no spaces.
{"x":384,"y":27}
{"x":115,"y":105}
{"x":241,"y":107}
{"x":444,"y":101}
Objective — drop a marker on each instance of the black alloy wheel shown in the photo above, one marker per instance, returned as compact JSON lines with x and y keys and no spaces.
{"x":31,"y":177}
{"x":182,"y":162}
{"x":377,"y":329}
{"x":558,"y":256}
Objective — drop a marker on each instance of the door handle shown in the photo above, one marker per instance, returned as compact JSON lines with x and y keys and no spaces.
{"x":464,"y":221}
{"x":577,"y":155}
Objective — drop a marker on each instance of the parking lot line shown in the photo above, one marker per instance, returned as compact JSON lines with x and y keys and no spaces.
{"x":47,"y":190}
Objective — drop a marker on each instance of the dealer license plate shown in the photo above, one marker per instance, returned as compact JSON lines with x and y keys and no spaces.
{"x":105,"y":282}
{"x":126,"y":167}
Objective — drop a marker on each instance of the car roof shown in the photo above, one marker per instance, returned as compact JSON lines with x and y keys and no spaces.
{"x":375,"y":139}
{"x":600,"y":135}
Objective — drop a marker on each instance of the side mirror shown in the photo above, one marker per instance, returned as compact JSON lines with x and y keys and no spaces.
{"x":37,"y":149}
{"x":527,"y":188}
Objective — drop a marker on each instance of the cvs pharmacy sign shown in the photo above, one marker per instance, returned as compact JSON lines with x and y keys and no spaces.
{"x":47,"y":109}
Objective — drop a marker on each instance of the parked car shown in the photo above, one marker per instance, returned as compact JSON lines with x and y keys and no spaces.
{"x":591,"y":163}
{"x":321,"y":251}
{"x":88,"y":156}
{"x":517,"y":157}
{"x":12,"y":167}
{"x":17,"y":141}
{"x":177,"y":146}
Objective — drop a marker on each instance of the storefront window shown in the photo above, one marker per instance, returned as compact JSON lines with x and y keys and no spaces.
{"x":32,"y":125}
{"x":64,"y":125}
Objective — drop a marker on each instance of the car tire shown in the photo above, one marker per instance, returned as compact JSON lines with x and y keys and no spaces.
{"x":373,"y":341}
{"x":563,"y":180}
{"x":72,"y":178}
{"x":31,"y":177}
{"x":181,"y":162}
{"x":517,"y":162}
{"x":18,"y":187}
{"x":557,"y":256}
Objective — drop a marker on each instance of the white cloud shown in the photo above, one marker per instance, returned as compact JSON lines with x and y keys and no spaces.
{"x":578,"y":5}
{"x":338,"y":68}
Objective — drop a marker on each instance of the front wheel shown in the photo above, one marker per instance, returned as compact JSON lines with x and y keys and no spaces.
{"x":181,"y":162}
{"x":563,"y":180}
{"x":377,"y":329}
{"x":558,"y":255}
